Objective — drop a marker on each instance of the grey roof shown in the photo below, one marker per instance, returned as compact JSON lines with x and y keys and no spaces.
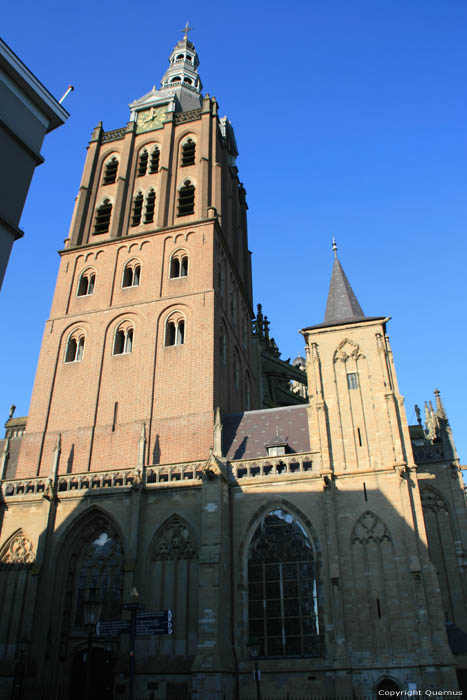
{"x":245,"y":435}
{"x":342,"y":303}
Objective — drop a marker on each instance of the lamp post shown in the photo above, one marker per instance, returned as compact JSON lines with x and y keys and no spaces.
{"x":92,"y":608}
{"x":254,"y":650}
{"x":133,"y":607}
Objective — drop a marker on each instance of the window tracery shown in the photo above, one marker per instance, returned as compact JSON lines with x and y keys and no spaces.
{"x":175,"y":541}
{"x":17,"y":551}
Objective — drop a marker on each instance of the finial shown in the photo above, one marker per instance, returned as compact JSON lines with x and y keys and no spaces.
{"x":185,"y":30}
{"x":334,"y":246}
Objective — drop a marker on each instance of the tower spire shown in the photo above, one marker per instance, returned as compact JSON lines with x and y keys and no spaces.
{"x":342,"y":304}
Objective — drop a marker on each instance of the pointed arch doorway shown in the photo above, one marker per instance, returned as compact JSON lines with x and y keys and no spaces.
{"x":94,"y":680}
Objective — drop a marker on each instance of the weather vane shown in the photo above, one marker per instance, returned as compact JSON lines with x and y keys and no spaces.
{"x":186,"y":29}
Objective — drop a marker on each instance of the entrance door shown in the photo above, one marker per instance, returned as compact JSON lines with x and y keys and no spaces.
{"x":94,"y":680}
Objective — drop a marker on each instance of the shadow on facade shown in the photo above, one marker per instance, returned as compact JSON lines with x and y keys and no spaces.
{"x":334,"y":583}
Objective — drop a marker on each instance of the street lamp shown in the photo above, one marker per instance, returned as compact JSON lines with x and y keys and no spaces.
{"x":92,"y":608}
{"x":254,"y":650}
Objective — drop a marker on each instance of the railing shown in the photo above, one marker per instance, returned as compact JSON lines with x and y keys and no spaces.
{"x":113,"y":135}
{"x":190,"y":116}
{"x":428,"y":453}
{"x":157,"y":475}
{"x":298,"y":463}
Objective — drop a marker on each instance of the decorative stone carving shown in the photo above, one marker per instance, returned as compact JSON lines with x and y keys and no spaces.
{"x":175,"y":542}
{"x":370,"y":528}
{"x":347,"y":349}
{"x":17,"y":551}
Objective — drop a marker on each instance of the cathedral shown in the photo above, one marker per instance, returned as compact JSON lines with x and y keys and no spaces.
{"x":304,"y":539}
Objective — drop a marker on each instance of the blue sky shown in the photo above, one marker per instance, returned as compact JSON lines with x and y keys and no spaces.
{"x":350,"y":121}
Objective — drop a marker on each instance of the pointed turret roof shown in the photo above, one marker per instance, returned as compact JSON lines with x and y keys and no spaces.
{"x":342,"y":303}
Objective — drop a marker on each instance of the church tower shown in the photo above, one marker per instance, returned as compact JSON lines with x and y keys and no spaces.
{"x":149,"y":329}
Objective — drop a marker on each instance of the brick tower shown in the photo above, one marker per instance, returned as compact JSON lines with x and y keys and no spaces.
{"x":149,"y":326}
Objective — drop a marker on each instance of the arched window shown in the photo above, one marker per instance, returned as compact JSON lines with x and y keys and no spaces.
{"x":236,"y":371}
{"x":179,"y":264}
{"x":233,"y":307}
{"x":95,"y":573}
{"x":75,"y":346}
{"x":175,"y":329}
{"x":150,"y":205}
{"x":186,"y":199}
{"x":223,"y":345}
{"x":131,"y":274}
{"x":221,"y":278}
{"x":103,"y":214}
{"x":282,"y":595}
{"x":137,"y":209}
{"x":110,"y":171}
{"x":86,"y":283}
{"x":188,"y":152}
{"x":154,"y":162}
{"x":123,"y":341}
{"x":143,"y":163}
{"x":247,"y":392}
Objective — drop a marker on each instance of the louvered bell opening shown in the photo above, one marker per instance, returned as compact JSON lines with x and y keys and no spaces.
{"x":188,"y":153}
{"x":143,"y":163}
{"x":150,"y":204}
{"x":110,"y":174}
{"x":154,"y":164}
{"x":103,"y":217}
{"x":186,"y":200}
{"x":137,"y":210}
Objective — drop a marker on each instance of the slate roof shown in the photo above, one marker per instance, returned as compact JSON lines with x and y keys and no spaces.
{"x":342,"y":303}
{"x":244,"y":435}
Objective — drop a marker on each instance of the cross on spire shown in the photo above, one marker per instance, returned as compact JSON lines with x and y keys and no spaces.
{"x":186,"y":29}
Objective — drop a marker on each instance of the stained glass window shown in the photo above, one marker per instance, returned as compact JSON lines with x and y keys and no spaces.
{"x":282,"y":596}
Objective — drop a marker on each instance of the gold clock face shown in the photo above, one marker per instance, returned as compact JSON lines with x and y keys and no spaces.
{"x":149,"y":119}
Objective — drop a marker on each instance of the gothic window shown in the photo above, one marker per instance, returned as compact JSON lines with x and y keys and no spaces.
{"x":247,"y":392}
{"x":86,"y":283}
{"x":131,"y":274}
{"x":150,"y":205}
{"x":236,"y":372}
{"x":188,"y":152}
{"x":75,"y":346}
{"x":179,"y":264}
{"x":143,"y":163}
{"x":154,"y":161}
{"x":137,"y":209}
{"x":221,"y":278}
{"x":123,"y":341}
{"x":110,"y":171}
{"x":186,"y":199}
{"x":175,"y":329}
{"x":18,"y":551}
{"x":223,"y":345}
{"x":282,"y":595}
{"x":103,"y":214}
{"x":95,"y":572}
{"x":352,"y":380}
